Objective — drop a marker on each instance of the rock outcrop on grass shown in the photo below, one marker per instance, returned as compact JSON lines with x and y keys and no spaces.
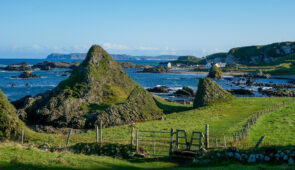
{"x":97,"y":86}
{"x":10,"y":125}
{"x":209,"y":92}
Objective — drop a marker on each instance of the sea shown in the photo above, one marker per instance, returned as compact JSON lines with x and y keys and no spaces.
{"x":15,"y":89}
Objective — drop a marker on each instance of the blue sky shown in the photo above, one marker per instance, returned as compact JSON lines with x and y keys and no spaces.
{"x":35,"y":28}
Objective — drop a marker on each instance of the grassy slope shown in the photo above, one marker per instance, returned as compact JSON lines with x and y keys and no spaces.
{"x":18,"y":157}
{"x":277,"y":127}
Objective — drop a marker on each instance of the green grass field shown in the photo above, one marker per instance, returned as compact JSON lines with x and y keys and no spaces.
{"x":15,"y":156}
{"x":224,"y":120}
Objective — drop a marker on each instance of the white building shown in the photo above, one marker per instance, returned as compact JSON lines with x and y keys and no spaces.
{"x":220,"y":65}
{"x":166,"y":64}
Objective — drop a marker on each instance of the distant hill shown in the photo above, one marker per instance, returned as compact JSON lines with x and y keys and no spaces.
{"x":254,"y":55}
{"x":81,"y":56}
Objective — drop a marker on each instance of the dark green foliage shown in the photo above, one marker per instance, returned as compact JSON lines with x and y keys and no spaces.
{"x":189,"y":60}
{"x":216,"y":55}
{"x":10,"y":125}
{"x":215,"y":72}
{"x":209,"y":92}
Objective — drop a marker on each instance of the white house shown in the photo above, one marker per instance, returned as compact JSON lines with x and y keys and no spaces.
{"x":166,"y":64}
{"x":220,"y":65}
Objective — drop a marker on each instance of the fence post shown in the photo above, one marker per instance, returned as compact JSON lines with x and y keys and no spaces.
{"x":100,"y":131}
{"x":224,"y":141}
{"x":23,"y":133}
{"x":171,"y":141}
{"x":259,"y":142}
{"x":216,"y":143}
{"x":69,"y":135}
{"x":96,"y":134}
{"x":132,"y":136}
{"x":207,"y":136}
{"x":154,"y":144}
{"x":176,"y":140}
{"x":137,"y":141}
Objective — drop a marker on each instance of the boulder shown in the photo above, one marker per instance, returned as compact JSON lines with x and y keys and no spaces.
{"x":156,"y":70}
{"x":241,"y":92}
{"x":18,"y":67}
{"x":215,"y":72}
{"x":98,"y":86}
{"x":185,"y":92}
{"x":209,"y":92}
{"x":26,"y":75}
{"x":159,"y":89}
{"x":49,"y":65}
{"x":10,"y":125}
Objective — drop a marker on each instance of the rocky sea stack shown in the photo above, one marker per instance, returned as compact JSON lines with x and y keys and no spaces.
{"x":10,"y":125}
{"x":98,"y":89}
{"x":215,"y":72}
{"x":209,"y":92}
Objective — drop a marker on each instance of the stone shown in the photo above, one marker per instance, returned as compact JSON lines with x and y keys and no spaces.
{"x":215,"y":72}
{"x":252,"y":158}
{"x":266,"y":158}
{"x":238,"y":156}
{"x":209,"y":92}
{"x":291,"y":161}
{"x":26,"y":75}
{"x":159,"y":89}
{"x":185,"y":92}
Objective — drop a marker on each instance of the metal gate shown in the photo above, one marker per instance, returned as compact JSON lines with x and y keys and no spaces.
{"x":162,"y":143}
{"x":157,"y":143}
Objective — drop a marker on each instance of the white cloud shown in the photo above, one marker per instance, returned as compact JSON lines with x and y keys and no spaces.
{"x":146,"y":48}
{"x":112,"y":46}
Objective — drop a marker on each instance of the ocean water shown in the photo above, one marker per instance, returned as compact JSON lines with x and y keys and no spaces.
{"x":50,"y":79}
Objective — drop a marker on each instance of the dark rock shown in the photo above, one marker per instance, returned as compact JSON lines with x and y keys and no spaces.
{"x":155,"y":70}
{"x":279,"y":92}
{"x":185,"y":92}
{"x":18,"y":67}
{"x":49,"y":65}
{"x":27,"y":84}
{"x":26,"y":75}
{"x":127,"y":64}
{"x":159,"y":89}
{"x":64,"y":75}
{"x":250,"y":82}
{"x":138,"y":66}
{"x":241,"y":92}
{"x":13,"y":85}
{"x":209,"y":92}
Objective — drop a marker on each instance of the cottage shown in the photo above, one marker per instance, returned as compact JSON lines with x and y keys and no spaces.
{"x":165,"y":64}
{"x":220,"y":65}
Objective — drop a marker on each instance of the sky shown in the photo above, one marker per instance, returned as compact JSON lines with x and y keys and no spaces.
{"x":36,"y":28}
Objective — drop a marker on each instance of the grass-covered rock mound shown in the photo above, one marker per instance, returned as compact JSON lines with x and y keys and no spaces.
{"x":215,"y":72}
{"x":10,"y":125}
{"x":209,"y":92}
{"x":97,"y":84}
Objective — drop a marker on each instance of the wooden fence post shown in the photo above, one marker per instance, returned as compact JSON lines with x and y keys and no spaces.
{"x":100,"y":131}
{"x":69,"y":135}
{"x":259,"y":142}
{"x":207,"y":136}
{"x":171,"y":141}
{"x":132,"y":136}
{"x":224,"y":141}
{"x":23,"y":133}
{"x":96,"y":134}
{"x":137,"y":141}
{"x":154,"y":150}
